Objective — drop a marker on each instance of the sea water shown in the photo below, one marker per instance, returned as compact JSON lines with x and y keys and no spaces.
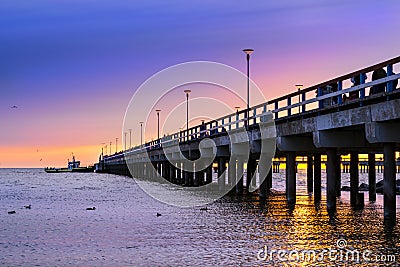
{"x":124,"y":230}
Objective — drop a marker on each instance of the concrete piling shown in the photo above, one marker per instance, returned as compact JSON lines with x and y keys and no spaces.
{"x":389,"y":185}
{"x":221,"y":173}
{"x":291,"y":177}
{"x":354,"y":178}
{"x":371,"y":177}
{"x":317,"y":177}
{"x":239,"y":176}
{"x":310,"y":174}
{"x":331,"y":179}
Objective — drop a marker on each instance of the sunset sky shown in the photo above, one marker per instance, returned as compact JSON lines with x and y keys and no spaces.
{"x":71,"y":66}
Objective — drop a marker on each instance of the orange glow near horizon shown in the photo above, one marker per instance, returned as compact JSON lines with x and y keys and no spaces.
{"x":29,"y":157}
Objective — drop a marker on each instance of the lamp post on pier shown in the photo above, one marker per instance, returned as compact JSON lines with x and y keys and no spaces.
{"x":116,"y":145}
{"x":130,"y":138}
{"x":187,"y":92}
{"x":158,"y":124}
{"x":248,"y":52}
{"x":141,"y":133}
{"x":299,"y":86}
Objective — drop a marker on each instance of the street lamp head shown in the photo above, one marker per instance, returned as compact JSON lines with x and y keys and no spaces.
{"x":187,"y":91}
{"x":248,"y":51}
{"x":237,"y":108}
{"x":299,"y":86}
{"x":158,"y":110}
{"x":141,"y":122}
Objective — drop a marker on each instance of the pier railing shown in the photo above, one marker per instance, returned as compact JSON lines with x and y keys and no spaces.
{"x":299,"y":103}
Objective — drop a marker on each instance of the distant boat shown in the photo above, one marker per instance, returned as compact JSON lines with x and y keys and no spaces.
{"x":73,"y":166}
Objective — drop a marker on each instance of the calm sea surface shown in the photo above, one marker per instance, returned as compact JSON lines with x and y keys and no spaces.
{"x":125,"y":231}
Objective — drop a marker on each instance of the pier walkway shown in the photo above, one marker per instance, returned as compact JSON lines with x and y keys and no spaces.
{"x":333,"y":118}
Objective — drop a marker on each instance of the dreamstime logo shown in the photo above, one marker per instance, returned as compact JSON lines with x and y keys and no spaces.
{"x":215,"y":90}
{"x":339,"y":254}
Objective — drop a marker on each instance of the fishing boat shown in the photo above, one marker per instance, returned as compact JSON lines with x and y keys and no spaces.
{"x":73,"y":166}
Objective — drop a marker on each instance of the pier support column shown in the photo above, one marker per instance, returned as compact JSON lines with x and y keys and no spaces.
{"x":291,"y":177}
{"x":209,"y":171}
{"x":338,"y":176}
{"x":164,"y":170}
{"x":159,"y":168}
{"x":354,"y":178}
{"x":239,"y":177}
{"x":331,"y":179}
{"x":251,"y":169}
{"x":264,"y":185}
{"x":389,"y":184}
{"x":309,"y":175}
{"x":191,"y":174}
{"x":232,"y":173}
{"x":199,"y":177}
{"x":221,"y":173}
{"x":185,"y":178}
{"x":172,"y":173}
{"x":371,"y":177}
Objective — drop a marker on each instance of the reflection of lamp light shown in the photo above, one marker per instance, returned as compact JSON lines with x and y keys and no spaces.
{"x":158,"y":123}
{"x":187,"y":92}
{"x":299,"y":86}
{"x":248,"y":52}
{"x":141,"y":133}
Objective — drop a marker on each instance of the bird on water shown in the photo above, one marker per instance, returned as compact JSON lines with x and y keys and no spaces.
{"x":28,"y":206}
{"x":12,"y":212}
{"x":158,"y":214}
{"x":93,"y":208}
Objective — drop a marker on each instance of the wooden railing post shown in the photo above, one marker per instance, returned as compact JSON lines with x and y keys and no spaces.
{"x":319,"y":93}
{"x":389,"y":72}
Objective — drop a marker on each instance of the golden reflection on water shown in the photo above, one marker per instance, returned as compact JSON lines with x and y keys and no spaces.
{"x":124,"y":231}
{"x":308,"y":226}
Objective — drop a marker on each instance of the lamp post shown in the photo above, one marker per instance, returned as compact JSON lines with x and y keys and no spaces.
{"x":130,"y":138}
{"x":237,"y":117}
{"x":141,"y":133}
{"x":299,"y":86}
{"x":102,"y":150}
{"x":110,"y":147}
{"x":125,"y":133}
{"x":248,"y":52}
{"x":187,"y":92}
{"x":116,"y":145}
{"x":158,"y":123}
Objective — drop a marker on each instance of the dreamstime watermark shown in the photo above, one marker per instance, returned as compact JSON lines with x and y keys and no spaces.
{"x":340,"y":253}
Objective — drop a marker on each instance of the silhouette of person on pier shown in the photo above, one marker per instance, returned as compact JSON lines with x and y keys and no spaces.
{"x":202,"y":129}
{"x":355,"y":94}
{"x":379,"y":88}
